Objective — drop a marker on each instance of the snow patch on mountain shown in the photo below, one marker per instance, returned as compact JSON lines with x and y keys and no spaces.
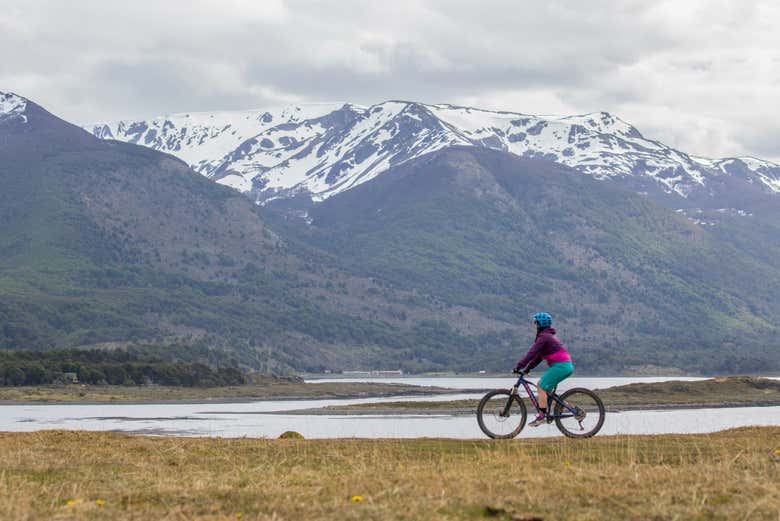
{"x":750,"y":168}
{"x":325,"y":149}
{"x":203,"y":138}
{"x":598,"y":144}
{"x":12,"y":107}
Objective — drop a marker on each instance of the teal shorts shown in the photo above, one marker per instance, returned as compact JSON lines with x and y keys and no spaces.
{"x":555,"y":375}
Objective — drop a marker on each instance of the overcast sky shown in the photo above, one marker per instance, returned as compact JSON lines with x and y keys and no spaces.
{"x":701,"y":75}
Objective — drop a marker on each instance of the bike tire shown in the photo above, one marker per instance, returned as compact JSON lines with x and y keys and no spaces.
{"x":487,"y":410}
{"x":585,"y":396}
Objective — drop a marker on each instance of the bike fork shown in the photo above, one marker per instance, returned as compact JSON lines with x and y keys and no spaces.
{"x":508,"y":405}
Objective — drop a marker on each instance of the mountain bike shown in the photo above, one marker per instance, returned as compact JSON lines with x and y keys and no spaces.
{"x":578,"y":413}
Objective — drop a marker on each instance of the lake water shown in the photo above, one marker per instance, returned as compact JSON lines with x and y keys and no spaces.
{"x":252,"y":419}
{"x":493,"y":382}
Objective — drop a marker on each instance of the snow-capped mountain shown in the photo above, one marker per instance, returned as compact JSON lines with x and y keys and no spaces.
{"x":12,"y":108}
{"x":324,"y":149}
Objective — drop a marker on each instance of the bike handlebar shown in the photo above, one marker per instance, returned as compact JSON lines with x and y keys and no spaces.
{"x":521,"y":379}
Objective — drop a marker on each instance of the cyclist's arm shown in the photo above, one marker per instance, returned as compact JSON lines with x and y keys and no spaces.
{"x":532,"y":357}
{"x":533,"y":363}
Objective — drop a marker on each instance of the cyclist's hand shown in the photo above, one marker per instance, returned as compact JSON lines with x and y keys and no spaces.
{"x":517,"y":370}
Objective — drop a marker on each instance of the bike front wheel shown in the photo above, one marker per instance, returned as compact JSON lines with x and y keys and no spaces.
{"x":584,"y":413}
{"x":501,"y":414}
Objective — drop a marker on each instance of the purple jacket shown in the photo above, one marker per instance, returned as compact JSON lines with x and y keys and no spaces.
{"x":548,"y":347}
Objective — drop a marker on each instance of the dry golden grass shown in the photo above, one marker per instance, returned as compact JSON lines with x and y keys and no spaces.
{"x":729,"y":475}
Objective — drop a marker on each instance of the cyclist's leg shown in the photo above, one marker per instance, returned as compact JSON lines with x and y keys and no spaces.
{"x":552,"y":377}
{"x":541,"y":397}
{"x":547,"y":384}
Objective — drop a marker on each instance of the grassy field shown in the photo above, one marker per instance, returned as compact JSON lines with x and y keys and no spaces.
{"x":159,"y":393}
{"x":733,"y":391}
{"x":81,"y":475}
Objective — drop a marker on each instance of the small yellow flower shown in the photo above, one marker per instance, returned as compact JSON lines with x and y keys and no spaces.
{"x":100,"y":502}
{"x":239,"y":515}
{"x":777,"y":451}
{"x":357,"y":499}
{"x":70,"y":502}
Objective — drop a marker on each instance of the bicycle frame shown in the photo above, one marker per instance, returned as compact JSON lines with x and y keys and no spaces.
{"x":551,"y":395}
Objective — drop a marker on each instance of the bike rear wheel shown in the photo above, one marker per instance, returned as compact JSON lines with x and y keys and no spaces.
{"x":589,"y":416}
{"x":496,"y":419}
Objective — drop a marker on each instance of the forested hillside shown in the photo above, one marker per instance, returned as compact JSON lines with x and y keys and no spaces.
{"x":435,"y":265}
{"x":109,"y":243}
{"x":630,"y":282}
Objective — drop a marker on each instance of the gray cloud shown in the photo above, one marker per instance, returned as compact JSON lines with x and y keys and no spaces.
{"x":701,"y":75}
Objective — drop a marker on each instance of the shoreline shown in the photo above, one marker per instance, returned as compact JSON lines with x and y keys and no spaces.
{"x":728,"y":392}
{"x":390,"y":411}
{"x":246,"y":399}
{"x":318,"y":378}
{"x":119,"y":395}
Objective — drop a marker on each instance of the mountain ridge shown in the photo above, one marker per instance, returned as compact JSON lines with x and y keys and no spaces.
{"x":324,"y":152}
{"x":432,"y":265}
{"x":109,"y":243}
{"x":105,"y":243}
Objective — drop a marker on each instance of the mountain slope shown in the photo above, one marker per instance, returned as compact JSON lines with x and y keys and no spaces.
{"x":107,"y":242}
{"x":630,"y":282}
{"x":323,"y":150}
{"x":431,"y":265}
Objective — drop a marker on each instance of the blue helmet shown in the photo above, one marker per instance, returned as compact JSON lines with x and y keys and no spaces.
{"x":543,"y":319}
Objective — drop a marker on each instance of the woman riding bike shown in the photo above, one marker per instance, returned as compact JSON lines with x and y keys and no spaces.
{"x":547,"y":347}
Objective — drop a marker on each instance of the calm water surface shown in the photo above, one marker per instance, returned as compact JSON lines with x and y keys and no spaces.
{"x":492,"y":382}
{"x":252,"y":420}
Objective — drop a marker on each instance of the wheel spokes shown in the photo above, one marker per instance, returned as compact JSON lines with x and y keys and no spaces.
{"x":583,"y":414}
{"x":501,"y":415}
